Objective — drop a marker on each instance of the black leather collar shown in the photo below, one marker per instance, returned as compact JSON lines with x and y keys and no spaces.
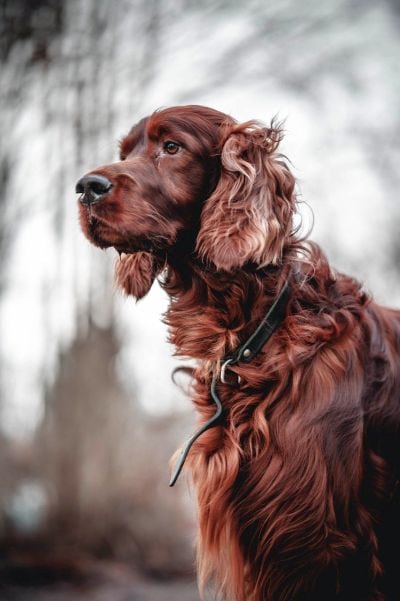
{"x":244,"y":354}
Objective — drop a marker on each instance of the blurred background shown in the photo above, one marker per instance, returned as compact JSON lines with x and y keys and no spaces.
{"x":88,"y":413}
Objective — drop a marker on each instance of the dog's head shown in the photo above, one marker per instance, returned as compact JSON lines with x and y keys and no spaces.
{"x":192,"y":183}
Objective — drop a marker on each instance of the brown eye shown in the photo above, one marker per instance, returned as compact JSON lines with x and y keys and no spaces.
{"x":171,"y":147}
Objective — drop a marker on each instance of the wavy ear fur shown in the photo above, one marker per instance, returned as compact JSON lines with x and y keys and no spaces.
{"x":248,"y":217}
{"x":135,"y":273}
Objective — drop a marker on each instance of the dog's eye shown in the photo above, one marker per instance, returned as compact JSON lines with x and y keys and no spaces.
{"x":171,"y":147}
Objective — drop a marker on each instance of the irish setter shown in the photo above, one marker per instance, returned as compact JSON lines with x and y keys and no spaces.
{"x":297,"y":479}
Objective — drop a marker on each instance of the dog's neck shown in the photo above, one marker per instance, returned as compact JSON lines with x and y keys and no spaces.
{"x":211,"y":312}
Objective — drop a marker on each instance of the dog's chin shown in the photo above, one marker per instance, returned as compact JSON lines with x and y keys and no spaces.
{"x":135,"y":272}
{"x":139,"y":260}
{"x":123,"y":247}
{"x":136,"y":246}
{"x":103,"y":235}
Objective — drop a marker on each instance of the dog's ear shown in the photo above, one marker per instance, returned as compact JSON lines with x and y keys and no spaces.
{"x":135,"y":273}
{"x":248,"y":218}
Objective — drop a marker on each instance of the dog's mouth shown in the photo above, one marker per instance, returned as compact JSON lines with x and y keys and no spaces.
{"x":104,"y":235}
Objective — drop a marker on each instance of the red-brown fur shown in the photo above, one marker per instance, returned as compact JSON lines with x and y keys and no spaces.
{"x":295,"y":486}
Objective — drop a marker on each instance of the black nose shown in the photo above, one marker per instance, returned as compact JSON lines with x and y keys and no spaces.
{"x":92,"y":188}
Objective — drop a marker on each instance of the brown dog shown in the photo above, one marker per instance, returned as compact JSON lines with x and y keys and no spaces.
{"x":296,"y":473}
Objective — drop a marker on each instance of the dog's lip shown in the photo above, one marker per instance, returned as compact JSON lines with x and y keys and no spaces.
{"x":131,"y":248}
{"x":123,"y":247}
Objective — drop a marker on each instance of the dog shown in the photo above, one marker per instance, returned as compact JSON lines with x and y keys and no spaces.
{"x":297,"y":384}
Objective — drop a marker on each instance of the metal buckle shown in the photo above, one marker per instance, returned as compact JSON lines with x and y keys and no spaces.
{"x":224,"y":367}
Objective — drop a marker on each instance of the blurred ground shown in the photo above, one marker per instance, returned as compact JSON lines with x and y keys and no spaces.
{"x":93,"y":582}
{"x":137,"y":591}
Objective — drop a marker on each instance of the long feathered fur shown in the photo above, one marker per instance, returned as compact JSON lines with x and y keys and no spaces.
{"x":295,"y":484}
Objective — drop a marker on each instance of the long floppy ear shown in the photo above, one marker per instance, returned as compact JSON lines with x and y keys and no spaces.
{"x":135,"y":273}
{"x":248,"y":217}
